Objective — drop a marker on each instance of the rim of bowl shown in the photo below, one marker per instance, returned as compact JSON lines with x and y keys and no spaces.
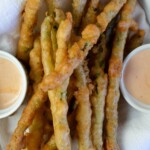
{"x":135,"y":103}
{"x":11,"y":109}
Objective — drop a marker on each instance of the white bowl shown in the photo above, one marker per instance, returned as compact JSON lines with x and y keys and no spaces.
{"x":11,"y":109}
{"x":128,"y":97}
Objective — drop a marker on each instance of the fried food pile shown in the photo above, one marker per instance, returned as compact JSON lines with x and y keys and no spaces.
{"x":74,"y":68}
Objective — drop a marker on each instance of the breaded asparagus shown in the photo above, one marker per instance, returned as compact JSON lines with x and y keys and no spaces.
{"x":51,"y":144}
{"x":58,"y":100}
{"x":46,"y":45}
{"x":80,"y":49}
{"x":135,"y":41}
{"x":36,"y":130}
{"x":36,"y":68}
{"x":114,"y":72}
{"x":99,"y":93}
{"x":26,"y":35}
{"x":84,"y":112}
{"x":98,"y":103}
{"x":36,"y":101}
{"x":76,"y":55}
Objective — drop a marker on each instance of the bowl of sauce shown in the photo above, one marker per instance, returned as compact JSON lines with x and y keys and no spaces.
{"x":13,"y":84}
{"x":135,"y":78}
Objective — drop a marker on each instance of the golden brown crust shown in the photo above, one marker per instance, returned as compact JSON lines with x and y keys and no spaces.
{"x":135,"y":41}
{"x":36,"y":68}
{"x":83,"y":118}
{"x":76,"y":55}
{"x":114,"y":73}
{"x":26,"y":36}
{"x":46,"y":45}
{"x":57,"y":97}
{"x":98,"y":102}
{"x":82,"y":47}
{"x":63,"y":36}
{"x":27,"y":116}
{"x":116,"y":66}
{"x":100,"y":81}
{"x":108,"y":13}
{"x":36,"y":130}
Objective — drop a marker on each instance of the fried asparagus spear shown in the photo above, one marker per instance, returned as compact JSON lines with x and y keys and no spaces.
{"x":98,"y":102}
{"x":48,"y":128}
{"x":26,"y":35}
{"x":58,"y":15}
{"x":51,"y":144}
{"x":78,"y":7}
{"x":84,"y":112}
{"x":79,"y":50}
{"x":135,"y":41}
{"x":46,"y":45}
{"x":35,"y":103}
{"x":47,"y":58}
{"x":98,"y":96}
{"x":36,"y":130}
{"x":90,"y":36}
{"x":90,"y":16}
{"x":36,"y":75}
{"x":59,"y":106}
{"x":36,"y":68}
{"x":114,"y":72}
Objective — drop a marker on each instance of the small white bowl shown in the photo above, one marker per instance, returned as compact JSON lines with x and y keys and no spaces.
{"x":11,"y":109}
{"x":128,"y":97}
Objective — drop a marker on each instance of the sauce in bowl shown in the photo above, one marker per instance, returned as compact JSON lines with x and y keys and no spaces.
{"x":137,"y":76}
{"x":10,"y":83}
{"x":13,"y":84}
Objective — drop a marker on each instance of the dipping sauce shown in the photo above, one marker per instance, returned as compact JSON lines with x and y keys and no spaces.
{"x":137,"y":76}
{"x":10,"y":83}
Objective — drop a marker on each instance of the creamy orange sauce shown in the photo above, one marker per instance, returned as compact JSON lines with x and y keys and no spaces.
{"x":137,"y":76}
{"x":10,"y":83}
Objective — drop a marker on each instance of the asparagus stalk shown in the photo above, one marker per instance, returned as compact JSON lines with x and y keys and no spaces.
{"x":36,"y":68}
{"x":135,"y":41}
{"x":77,"y":53}
{"x":46,"y":45}
{"x":79,"y":50}
{"x":99,"y":93}
{"x":36,"y":101}
{"x":36,"y":130}
{"x":84,"y":112}
{"x":114,"y":72}
{"x":57,"y":97}
{"x":51,"y":144}
{"x":26,"y":35}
